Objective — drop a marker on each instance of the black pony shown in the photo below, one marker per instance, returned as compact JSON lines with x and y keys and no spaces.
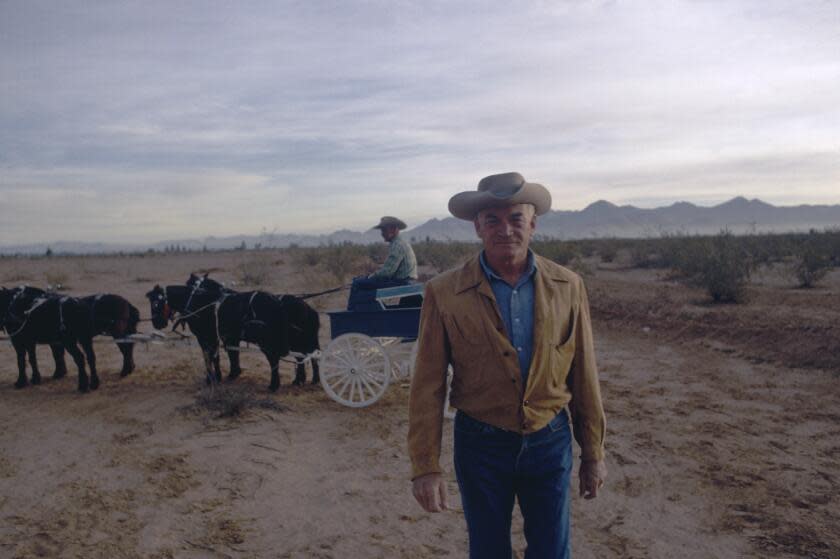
{"x":110,"y":315}
{"x":31,"y":316}
{"x":278,"y":324}
{"x":195,"y":308}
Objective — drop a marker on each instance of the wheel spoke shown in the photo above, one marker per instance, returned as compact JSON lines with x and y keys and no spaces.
{"x":368,"y":386}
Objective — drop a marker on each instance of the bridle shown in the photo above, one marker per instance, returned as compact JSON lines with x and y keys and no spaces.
{"x":160,"y":305}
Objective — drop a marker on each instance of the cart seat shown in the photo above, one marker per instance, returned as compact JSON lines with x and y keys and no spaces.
{"x":400,"y":291}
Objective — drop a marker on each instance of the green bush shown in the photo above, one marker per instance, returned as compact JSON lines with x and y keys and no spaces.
{"x":725,"y":268}
{"x":813,"y":261}
{"x":561,"y":252}
{"x":443,"y":255}
{"x":608,"y":250}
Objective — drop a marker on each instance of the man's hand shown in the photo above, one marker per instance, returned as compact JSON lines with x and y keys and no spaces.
{"x":430,"y":492}
{"x":592,"y":476}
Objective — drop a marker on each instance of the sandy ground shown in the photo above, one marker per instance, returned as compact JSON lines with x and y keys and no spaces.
{"x":712,"y":452}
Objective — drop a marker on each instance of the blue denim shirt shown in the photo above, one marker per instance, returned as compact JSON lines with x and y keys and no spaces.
{"x":517,"y":307}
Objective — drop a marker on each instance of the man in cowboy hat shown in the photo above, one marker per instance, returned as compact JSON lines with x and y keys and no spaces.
{"x":516,"y":329}
{"x":399,"y":268}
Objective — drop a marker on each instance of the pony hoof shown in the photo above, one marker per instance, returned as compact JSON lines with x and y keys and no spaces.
{"x":83,"y":388}
{"x":59,"y":374}
{"x":21,"y":384}
{"x":273,"y":387}
{"x":94,"y":384}
{"x":36,"y":381}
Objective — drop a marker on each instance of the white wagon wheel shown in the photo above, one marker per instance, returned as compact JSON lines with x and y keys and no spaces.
{"x":355,"y":370}
{"x":448,"y":411}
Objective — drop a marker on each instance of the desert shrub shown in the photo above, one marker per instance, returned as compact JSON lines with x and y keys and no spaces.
{"x":561,"y":252}
{"x":585,"y":248}
{"x":724,"y":268}
{"x":309,"y":256}
{"x":344,"y":260}
{"x":254,"y":271}
{"x":377,"y":252}
{"x":340,"y":260}
{"x":645,"y":254}
{"x":813,"y":261}
{"x":607,"y":251}
{"x":687,"y":257}
{"x":579,"y":265}
{"x":443,"y":255}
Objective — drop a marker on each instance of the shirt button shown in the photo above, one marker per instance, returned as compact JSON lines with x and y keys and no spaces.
{"x":506,"y":354}
{"x":513,"y":380}
{"x":516,"y":320}
{"x":525,"y":403}
{"x":519,"y":349}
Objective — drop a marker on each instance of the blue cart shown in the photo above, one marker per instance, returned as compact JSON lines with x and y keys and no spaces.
{"x":370,"y":347}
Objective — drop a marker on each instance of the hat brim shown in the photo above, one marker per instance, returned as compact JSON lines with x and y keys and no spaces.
{"x":466,"y":205}
{"x":399,"y":224}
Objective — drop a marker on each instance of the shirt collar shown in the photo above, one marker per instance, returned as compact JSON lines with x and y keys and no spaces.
{"x":529,"y":271}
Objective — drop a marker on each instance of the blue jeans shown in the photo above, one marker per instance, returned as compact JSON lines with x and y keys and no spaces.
{"x":494,"y":466}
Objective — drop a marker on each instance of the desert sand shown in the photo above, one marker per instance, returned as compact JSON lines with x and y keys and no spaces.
{"x":723,"y":436}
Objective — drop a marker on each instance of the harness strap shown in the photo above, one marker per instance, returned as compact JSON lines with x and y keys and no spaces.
{"x":61,"y":326}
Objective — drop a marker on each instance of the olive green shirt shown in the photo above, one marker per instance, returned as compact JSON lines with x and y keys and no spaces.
{"x":401,"y":262}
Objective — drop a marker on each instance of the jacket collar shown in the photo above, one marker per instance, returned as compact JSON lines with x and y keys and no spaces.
{"x":472,"y":276}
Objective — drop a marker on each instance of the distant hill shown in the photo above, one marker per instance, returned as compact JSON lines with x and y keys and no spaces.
{"x":599,"y":219}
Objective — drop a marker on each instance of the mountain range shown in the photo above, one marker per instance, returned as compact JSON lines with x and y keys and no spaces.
{"x":599,"y":219}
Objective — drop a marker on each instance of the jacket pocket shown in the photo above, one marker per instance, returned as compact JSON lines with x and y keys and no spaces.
{"x":562,"y":355}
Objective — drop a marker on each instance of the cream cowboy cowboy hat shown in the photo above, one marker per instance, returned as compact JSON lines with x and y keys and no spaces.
{"x":390,"y":220}
{"x":506,"y":189}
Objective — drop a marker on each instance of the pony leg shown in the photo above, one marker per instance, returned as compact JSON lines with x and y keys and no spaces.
{"x":127,"y":351}
{"x":208,"y":365}
{"x":208,"y":352}
{"x":22,"y":381}
{"x":300,"y":372}
{"x":33,"y":362}
{"x":87,"y":346}
{"x":274,"y":364}
{"x":79,"y":359}
{"x":316,"y":373}
{"x":233,"y":357}
{"x":217,"y":365}
{"x":58,"y":357}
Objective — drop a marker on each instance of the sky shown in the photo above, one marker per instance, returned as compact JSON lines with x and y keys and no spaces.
{"x":148,"y":121}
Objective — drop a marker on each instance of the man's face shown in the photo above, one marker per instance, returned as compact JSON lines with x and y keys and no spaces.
{"x":506,"y":232}
{"x":389,"y":232}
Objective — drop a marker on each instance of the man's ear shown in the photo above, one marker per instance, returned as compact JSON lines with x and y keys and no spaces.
{"x":477,"y":226}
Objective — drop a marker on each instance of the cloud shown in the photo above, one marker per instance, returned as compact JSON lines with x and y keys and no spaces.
{"x":302,"y":116}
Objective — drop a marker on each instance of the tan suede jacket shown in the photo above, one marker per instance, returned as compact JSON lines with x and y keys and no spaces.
{"x":460,"y":324}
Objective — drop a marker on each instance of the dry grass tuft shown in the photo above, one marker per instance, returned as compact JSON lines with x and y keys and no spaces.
{"x":232,"y":401}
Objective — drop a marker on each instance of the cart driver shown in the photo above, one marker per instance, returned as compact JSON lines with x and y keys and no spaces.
{"x":399,"y":268}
